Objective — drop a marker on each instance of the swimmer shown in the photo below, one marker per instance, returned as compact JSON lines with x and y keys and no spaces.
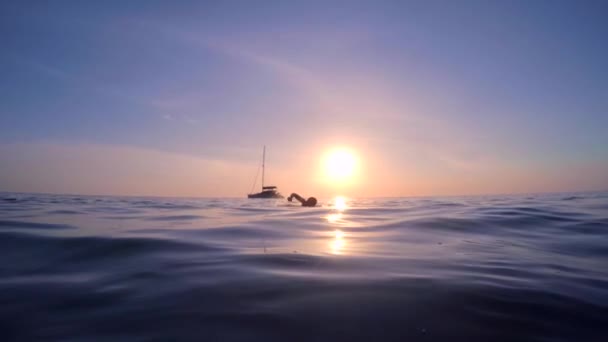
{"x":310,"y":202}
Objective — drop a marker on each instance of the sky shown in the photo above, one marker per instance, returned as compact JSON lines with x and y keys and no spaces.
{"x":177,"y":98}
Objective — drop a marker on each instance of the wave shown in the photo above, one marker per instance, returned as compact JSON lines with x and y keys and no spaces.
{"x":504,"y":268}
{"x":32,"y":225}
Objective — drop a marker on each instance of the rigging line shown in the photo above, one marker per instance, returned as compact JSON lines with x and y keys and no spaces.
{"x":255,"y":181}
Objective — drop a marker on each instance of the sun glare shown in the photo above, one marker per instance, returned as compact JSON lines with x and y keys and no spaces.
{"x":340,"y":203}
{"x":340,"y":165}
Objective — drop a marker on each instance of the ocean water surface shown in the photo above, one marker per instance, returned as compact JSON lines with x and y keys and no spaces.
{"x":492,"y":268}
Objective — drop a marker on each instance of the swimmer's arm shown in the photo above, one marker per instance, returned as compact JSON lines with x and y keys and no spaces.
{"x":296,"y":196}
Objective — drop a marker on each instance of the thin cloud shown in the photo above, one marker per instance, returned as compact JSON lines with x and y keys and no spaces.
{"x":180,"y":118}
{"x":117,"y":170}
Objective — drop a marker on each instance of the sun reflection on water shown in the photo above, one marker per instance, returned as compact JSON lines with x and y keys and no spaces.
{"x":337,"y":244}
{"x":339,"y":206}
{"x":336,"y":218}
{"x":340,"y":203}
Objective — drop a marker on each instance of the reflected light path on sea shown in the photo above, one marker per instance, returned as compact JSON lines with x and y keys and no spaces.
{"x":336,"y":218}
{"x":337,"y":244}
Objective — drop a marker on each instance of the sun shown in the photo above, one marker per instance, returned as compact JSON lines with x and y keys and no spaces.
{"x":340,"y":165}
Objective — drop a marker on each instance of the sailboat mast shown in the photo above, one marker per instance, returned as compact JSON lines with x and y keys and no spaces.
{"x":263,"y":162}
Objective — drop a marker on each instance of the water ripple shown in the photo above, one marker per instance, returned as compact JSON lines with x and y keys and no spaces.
{"x":489,"y":268}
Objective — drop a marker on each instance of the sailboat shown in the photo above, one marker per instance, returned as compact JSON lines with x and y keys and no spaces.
{"x":269,"y":191}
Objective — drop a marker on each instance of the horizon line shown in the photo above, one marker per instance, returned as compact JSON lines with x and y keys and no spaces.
{"x":351,"y":197}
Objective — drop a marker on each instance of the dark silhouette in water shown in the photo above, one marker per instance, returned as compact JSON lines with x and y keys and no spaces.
{"x":267,"y":191}
{"x":310,"y":202}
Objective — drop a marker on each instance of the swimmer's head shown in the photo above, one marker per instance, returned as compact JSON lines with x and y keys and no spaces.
{"x":310,"y":202}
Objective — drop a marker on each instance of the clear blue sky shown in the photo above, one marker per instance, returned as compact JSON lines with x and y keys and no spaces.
{"x":435,"y":97}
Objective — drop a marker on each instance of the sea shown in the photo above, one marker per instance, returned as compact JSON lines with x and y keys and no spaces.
{"x":484,"y":268}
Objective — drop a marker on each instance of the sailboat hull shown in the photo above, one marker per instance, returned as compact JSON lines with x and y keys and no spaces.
{"x":265,"y":194}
